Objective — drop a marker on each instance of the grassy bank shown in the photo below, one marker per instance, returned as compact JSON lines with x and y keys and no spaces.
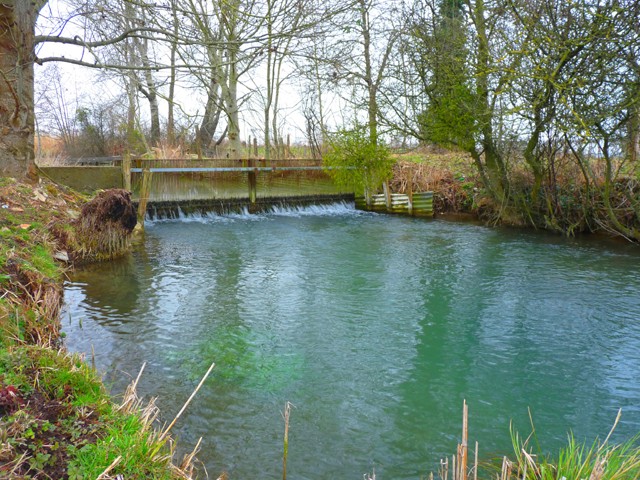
{"x":56,"y":418}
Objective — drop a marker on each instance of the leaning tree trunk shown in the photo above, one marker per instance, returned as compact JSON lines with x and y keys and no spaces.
{"x":17,"y":31}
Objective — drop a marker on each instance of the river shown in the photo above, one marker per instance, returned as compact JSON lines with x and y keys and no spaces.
{"x":375,"y":328}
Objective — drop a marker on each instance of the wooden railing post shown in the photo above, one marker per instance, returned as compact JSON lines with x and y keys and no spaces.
{"x":387,"y":194}
{"x":126,"y":172}
{"x":144,"y":195}
{"x":253,"y":182}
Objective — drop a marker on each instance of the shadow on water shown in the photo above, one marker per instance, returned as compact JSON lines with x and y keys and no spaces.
{"x":375,"y":328}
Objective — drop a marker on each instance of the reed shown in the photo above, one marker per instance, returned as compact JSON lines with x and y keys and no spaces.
{"x":459,"y":461}
{"x":286,"y":415}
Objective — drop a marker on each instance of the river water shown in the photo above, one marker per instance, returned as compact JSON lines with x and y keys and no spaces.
{"x":375,"y":328}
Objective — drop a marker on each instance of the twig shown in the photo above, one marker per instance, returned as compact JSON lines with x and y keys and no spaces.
{"x":184,"y":407}
{"x":615,"y":424}
{"x":16,"y":99}
{"x":475,"y":464}
{"x":109,"y":468}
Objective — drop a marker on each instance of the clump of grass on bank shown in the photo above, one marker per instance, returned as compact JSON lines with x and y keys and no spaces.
{"x":600,"y":460}
{"x":56,"y":419}
{"x":574,"y":461}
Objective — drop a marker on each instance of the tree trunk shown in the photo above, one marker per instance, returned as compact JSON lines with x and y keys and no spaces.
{"x":233,"y":111}
{"x":171,"y":124}
{"x":634,"y":135}
{"x":269,"y":93}
{"x":150,"y":93}
{"x":372,"y":104}
{"x":17,"y":125}
{"x":496,"y":173}
{"x":211,"y":117}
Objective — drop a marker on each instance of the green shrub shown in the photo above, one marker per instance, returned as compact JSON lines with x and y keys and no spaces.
{"x":356,"y":162}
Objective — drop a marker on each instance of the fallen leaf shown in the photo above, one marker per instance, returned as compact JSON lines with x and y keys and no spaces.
{"x":16,"y":209}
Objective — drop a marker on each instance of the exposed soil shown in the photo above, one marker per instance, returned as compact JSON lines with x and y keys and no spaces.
{"x":52,"y":428}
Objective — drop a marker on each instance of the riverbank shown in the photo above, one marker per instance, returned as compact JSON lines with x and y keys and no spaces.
{"x":565,"y":202}
{"x":56,"y":418}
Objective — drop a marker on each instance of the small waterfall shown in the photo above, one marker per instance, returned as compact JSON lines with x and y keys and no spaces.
{"x":225,"y":212}
{"x":314,"y":210}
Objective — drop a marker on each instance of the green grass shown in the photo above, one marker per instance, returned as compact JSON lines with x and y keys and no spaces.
{"x":81,"y":421}
{"x":599,"y":460}
{"x":579,"y":460}
{"x":41,"y":261}
{"x":127,"y":438}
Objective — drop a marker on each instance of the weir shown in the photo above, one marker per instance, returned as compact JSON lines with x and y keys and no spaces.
{"x":170,"y":188}
{"x":187,"y":208}
{"x":167,"y":188}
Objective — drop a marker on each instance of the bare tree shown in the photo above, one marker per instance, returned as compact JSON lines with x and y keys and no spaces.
{"x":17,"y":57}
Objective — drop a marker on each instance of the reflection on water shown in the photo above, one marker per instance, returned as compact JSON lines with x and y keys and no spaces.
{"x":375,"y":328}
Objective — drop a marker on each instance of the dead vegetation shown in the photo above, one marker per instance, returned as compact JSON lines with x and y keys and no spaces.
{"x":570,"y":199}
{"x":453,"y":192}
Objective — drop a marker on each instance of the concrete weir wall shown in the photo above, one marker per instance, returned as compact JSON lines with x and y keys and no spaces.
{"x":85,"y":178}
{"x":174,"y":209}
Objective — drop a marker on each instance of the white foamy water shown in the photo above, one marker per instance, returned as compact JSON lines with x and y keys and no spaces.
{"x":318,"y":210}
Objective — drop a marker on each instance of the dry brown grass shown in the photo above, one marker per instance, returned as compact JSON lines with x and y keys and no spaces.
{"x":453,"y":192}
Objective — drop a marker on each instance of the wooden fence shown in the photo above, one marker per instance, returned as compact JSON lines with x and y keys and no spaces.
{"x":419,"y":204}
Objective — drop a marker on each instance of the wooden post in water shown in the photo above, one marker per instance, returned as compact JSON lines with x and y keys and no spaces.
{"x":253,"y":182}
{"x":410,"y":195}
{"x":144,"y":195}
{"x":126,"y":172}
{"x":387,"y":194}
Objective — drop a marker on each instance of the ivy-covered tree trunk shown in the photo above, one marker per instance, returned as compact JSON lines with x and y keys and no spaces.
{"x":17,"y":32}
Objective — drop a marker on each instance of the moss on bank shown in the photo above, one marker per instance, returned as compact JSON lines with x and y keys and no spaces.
{"x":56,"y":418}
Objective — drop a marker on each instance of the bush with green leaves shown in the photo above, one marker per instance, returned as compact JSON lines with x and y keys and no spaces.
{"x":357,"y":162}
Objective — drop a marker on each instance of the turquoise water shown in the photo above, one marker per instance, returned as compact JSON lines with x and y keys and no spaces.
{"x":375,"y":328}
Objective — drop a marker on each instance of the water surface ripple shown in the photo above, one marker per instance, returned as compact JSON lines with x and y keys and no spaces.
{"x":375,"y":327}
